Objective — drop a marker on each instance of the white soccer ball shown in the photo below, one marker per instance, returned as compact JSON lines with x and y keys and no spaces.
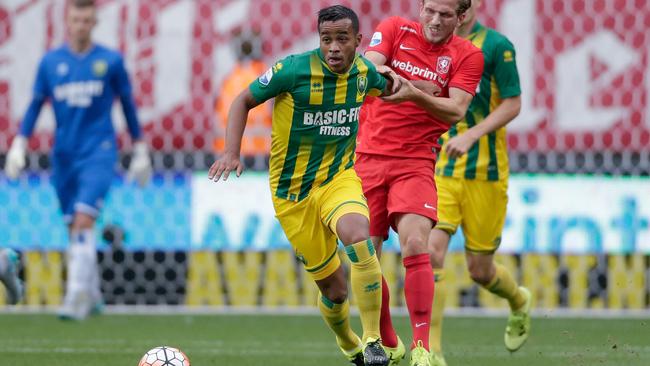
{"x":164,"y":356}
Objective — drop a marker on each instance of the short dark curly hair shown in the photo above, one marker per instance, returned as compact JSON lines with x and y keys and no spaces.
{"x":338,"y":12}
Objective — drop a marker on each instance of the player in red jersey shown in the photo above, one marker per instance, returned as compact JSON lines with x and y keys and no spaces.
{"x":397,"y":147}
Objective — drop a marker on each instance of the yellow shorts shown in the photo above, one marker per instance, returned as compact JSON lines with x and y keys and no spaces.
{"x":479,"y":207}
{"x":310,"y":225}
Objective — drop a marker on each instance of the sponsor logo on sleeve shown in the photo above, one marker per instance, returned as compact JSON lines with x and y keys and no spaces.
{"x":266,"y":78}
{"x":376,"y":39}
{"x":508,"y":56}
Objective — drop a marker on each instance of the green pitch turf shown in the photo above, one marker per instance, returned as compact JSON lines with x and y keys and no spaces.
{"x":242,"y":340}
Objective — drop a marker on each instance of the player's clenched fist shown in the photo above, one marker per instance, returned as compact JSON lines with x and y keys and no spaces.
{"x":224,"y":165}
{"x":406,"y":92}
{"x":394,"y":82}
{"x":460,"y":145}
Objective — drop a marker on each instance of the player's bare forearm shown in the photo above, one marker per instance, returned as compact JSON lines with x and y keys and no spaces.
{"x":501,"y":116}
{"x":449,"y":110}
{"x":230,"y":160}
{"x":428,"y":87}
{"x":379,"y":61}
{"x":237,"y":117}
{"x":460,"y":144}
{"x":376,"y":58}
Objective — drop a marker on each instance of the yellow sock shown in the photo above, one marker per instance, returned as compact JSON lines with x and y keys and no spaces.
{"x":365,"y":281}
{"x":439,"y":296}
{"x":504,"y":285}
{"x":337,"y":317}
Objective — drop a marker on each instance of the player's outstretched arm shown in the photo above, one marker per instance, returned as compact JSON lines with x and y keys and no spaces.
{"x":379,"y":60}
{"x":380,"y":63}
{"x":17,"y":152}
{"x":140,"y":170}
{"x":429,"y":87}
{"x":376,"y":58}
{"x":501,"y":116}
{"x":449,"y":110}
{"x":237,"y":116}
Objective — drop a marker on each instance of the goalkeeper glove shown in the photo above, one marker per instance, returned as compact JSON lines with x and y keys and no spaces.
{"x":16,"y":157}
{"x":140,"y":167}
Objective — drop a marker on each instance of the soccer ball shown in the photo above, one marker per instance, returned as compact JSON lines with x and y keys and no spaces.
{"x":164,"y":356}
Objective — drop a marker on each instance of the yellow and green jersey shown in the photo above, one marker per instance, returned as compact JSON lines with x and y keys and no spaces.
{"x":488,"y":158}
{"x":315,"y":119}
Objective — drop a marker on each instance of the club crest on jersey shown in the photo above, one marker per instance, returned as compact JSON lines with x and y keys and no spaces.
{"x":443,"y":64}
{"x":62,"y":69}
{"x":376,"y":39}
{"x":362,"y":84}
{"x":99,"y":68}
{"x":266,"y":78}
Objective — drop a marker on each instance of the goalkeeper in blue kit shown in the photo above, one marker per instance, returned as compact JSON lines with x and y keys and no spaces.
{"x":81,"y":80}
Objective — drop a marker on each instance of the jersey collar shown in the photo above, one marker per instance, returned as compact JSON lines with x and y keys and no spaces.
{"x":475,"y":29}
{"x":80,"y":55}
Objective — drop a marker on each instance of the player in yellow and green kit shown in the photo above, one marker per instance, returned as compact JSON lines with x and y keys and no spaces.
{"x":472,"y":183}
{"x":317,"y":195}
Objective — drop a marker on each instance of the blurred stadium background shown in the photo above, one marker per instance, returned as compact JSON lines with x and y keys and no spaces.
{"x":578,"y":227}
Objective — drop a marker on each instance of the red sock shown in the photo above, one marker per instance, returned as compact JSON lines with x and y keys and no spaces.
{"x":418,"y":290}
{"x":388,"y":335}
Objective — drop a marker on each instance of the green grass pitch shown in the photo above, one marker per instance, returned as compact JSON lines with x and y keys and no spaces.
{"x":274,"y":340}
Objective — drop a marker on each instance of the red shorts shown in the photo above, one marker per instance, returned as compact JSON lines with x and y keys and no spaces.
{"x":396,"y":186}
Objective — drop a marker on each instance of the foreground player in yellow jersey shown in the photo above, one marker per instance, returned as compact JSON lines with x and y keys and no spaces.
{"x":472,"y":183}
{"x":317,"y":195}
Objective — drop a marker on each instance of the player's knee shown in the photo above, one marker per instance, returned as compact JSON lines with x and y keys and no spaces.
{"x":335,"y":286}
{"x":355,"y":237}
{"x":437,"y":256}
{"x":336,"y":294}
{"x":353,"y":228}
{"x":438,"y":243}
{"x":413,"y":245}
{"x":480,"y":274}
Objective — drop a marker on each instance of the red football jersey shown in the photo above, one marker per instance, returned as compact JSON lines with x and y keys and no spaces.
{"x":404,"y":129}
